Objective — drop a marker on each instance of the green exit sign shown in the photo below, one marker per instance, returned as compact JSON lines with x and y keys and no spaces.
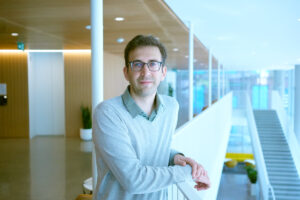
{"x":20,"y":46}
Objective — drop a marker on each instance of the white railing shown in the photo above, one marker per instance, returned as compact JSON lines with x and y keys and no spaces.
{"x":258,"y":154}
{"x":205,"y":139}
{"x":287,"y":127}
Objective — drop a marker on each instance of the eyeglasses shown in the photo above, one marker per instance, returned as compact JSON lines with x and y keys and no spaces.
{"x":153,"y":66}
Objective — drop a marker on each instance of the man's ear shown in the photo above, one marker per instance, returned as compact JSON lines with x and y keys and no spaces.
{"x":125,"y":71}
{"x":164,"y":73}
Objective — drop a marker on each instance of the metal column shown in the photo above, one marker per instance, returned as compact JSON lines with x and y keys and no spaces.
{"x":191,"y":71}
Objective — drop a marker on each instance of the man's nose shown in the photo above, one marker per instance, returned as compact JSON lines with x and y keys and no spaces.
{"x":145,"y":69}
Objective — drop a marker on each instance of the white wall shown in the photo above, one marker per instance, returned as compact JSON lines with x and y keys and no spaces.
{"x":46,"y":94}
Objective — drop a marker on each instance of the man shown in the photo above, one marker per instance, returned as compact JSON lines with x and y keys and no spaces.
{"x":133,"y":133}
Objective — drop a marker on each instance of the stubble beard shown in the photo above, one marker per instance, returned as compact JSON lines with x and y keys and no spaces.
{"x":144,"y":92}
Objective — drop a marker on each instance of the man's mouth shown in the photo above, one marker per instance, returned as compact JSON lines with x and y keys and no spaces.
{"x":146,"y":82}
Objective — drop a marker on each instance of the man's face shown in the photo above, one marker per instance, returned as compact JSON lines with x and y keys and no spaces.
{"x":144,"y":83}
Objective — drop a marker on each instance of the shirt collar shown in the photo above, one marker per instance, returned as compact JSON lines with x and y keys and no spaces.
{"x":135,"y":110}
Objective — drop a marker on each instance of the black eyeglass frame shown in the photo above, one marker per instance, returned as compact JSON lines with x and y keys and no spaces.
{"x":131,"y":63}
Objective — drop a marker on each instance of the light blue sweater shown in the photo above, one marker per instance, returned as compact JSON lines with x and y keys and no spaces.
{"x":134,"y":156}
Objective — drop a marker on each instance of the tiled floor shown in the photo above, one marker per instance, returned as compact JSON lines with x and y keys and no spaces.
{"x":44,"y":168}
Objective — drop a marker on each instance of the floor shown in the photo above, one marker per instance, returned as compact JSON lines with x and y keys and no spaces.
{"x":235,"y":184}
{"x":47,"y":168}
{"x":44,"y":168}
{"x":234,"y":187}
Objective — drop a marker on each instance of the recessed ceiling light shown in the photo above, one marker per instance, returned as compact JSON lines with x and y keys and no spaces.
{"x":88,"y":27}
{"x":175,"y":49}
{"x":120,"y":40}
{"x":119,"y":19}
{"x":15,"y":34}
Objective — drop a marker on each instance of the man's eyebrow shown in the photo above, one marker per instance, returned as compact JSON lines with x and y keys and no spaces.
{"x":136,"y":61}
{"x":153,"y":60}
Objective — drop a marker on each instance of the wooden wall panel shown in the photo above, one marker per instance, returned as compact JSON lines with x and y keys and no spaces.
{"x":78,"y":85}
{"x":14,"y":117}
{"x":114,"y":81}
{"x":77,"y":89}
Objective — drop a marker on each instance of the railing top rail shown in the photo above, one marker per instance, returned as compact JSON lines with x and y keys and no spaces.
{"x":272,"y":191}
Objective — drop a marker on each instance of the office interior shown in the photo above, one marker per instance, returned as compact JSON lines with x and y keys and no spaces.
{"x":46,"y":76}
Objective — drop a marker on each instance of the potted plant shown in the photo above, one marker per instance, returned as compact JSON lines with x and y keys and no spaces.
{"x":252,"y":175}
{"x":86,"y":131}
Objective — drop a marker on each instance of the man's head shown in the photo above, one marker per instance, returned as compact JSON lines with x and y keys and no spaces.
{"x":142,"y":41}
{"x":145,"y":66}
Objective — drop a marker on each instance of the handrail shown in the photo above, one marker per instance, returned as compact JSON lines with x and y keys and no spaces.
{"x":258,"y":155}
{"x":272,"y":191}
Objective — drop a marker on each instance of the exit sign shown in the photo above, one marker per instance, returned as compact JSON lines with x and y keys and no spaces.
{"x":20,"y":46}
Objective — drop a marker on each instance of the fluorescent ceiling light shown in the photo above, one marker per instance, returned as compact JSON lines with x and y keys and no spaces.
{"x":120,"y":40}
{"x":59,"y":50}
{"x":10,"y":51}
{"x":15,"y":34}
{"x":49,"y":50}
{"x":119,"y":19}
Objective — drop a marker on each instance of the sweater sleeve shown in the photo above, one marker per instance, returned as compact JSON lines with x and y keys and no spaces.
{"x":113,"y":144}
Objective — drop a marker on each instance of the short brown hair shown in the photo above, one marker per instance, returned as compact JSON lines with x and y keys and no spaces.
{"x":142,"y":41}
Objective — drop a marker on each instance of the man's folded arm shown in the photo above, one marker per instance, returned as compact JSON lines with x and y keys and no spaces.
{"x":113,"y":144}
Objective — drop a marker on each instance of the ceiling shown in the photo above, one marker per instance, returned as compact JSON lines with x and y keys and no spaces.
{"x":60,"y":24}
{"x":248,"y":34}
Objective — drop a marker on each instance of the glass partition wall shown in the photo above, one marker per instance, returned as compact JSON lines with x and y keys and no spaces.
{"x":177,"y":82}
{"x":201,"y":83}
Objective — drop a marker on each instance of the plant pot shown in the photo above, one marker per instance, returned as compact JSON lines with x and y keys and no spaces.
{"x":86,"y":134}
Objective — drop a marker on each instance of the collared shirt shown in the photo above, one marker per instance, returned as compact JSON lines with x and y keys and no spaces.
{"x":135,"y":110}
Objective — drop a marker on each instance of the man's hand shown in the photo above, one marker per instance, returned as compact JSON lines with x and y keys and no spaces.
{"x":199,"y":174}
{"x":202,"y":183}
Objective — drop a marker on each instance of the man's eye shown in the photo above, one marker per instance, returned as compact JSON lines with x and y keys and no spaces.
{"x":152,"y":64}
{"x":137,"y":64}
